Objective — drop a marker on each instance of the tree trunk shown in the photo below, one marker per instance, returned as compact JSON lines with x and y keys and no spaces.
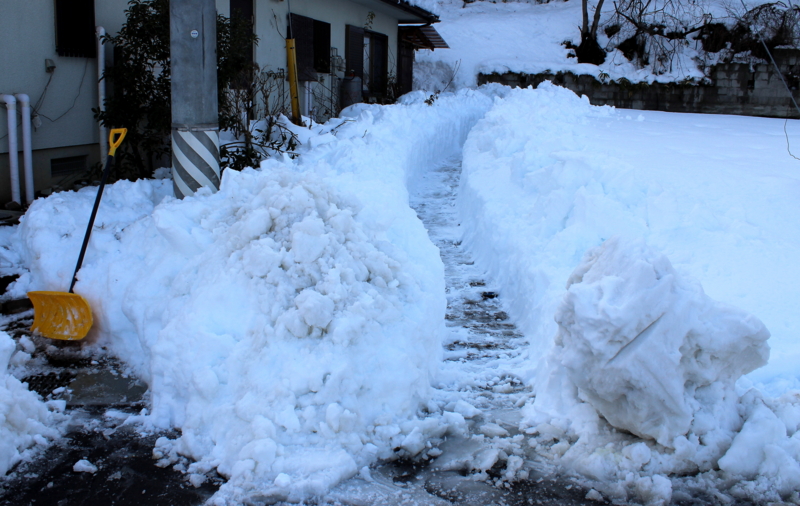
{"x":589,"y":51}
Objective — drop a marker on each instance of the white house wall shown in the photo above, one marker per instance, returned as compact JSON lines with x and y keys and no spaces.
{"x":27,"y":38}
{"x":271,"y":21}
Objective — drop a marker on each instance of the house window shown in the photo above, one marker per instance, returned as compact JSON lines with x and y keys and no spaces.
{"x":313,"y":46}
{"x":75,"y":30}
{"x":368,"y":58}
{"x":66,"y":166}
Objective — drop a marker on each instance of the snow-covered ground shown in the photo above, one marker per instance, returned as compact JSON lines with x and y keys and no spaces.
{"x":604,"y":228}
{"x":291,"y":325}
{"x":26,"y":422}
{"x":529,"y":37}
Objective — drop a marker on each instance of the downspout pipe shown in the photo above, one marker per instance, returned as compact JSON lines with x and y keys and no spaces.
{"x":27,"y":152}
{"x":101,"y":88}
{"x":13,"y":161}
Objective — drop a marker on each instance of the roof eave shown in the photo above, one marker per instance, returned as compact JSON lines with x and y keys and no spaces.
{"x":419,"y":14}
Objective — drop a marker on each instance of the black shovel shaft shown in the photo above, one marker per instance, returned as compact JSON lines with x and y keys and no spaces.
{"x":106,"y":171}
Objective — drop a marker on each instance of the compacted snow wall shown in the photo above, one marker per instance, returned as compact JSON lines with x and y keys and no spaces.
{"x":634,"y":367}
{"x":288,"y":324}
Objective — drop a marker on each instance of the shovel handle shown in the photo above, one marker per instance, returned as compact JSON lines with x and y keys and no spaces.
{"x":114,"y":143}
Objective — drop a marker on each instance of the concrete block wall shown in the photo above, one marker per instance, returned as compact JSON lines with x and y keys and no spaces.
{"x":733,"y":88}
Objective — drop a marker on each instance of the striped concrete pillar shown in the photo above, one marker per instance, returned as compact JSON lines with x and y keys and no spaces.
{"x":195,"y":118}
{"x":195,"y":160}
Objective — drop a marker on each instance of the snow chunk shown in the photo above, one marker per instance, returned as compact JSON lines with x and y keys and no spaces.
{"x":750,"y":448}
{"x":647,"y":348}
{"x":84,"y":466}
{"x":466,"y":409}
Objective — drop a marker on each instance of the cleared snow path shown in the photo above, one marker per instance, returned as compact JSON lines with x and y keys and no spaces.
{"x":483,"y":343}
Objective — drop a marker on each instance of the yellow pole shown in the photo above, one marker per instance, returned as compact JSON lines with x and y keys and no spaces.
{"x":291,"y":61}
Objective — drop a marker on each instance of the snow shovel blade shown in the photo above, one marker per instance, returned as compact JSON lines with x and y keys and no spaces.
{"x":60,"y":315}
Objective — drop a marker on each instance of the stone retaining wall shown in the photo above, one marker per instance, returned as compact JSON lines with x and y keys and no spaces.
{"x":735,"y":88}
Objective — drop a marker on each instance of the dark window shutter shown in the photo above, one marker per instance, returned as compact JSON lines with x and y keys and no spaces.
{"x":354,"y":50}
{"x":378,"y":62}
{"x":405,"y":67}
{"x":322,"y":46}
{"x":242,"y":10}
{"x":302,"y":31}
{"x":75,"y":30}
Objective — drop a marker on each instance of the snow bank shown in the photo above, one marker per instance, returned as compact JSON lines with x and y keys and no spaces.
{"x":517,"y":199}
{"x":647,"y":348}
{"x":640,"y":384}
{"x":290,"y":323}
{"x":25,"y":421}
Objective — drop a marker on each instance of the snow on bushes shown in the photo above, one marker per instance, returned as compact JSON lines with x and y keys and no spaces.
{"x":25,"y":421}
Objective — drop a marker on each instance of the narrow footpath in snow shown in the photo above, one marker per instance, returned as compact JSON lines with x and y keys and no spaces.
{"x":477,"y":380}
{"x":482,"y":339}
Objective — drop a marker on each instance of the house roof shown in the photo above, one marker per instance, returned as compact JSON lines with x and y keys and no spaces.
{"x":424,"y":36}
{"x":402,"y":10}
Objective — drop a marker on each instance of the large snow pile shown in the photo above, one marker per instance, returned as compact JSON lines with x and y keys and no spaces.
{"x":292,"y":344}
{"x":636,"y":379}
{"x":647,"y":348}
{"x":25,"y":420}
{"x":290,"y":323}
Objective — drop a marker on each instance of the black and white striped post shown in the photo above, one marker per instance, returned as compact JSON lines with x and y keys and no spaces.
{"x":195,"y":118}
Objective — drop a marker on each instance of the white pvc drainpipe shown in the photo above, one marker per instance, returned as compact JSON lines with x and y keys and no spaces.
{"x":13,"y":161}
{"x":101,"y":89}
{"x":27,"y":153}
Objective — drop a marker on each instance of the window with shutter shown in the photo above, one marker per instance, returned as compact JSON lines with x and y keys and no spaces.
{"x":367,"y":54}
{"x":75,"y":30}
{"x":354,"y":50}
{"x":378,"y":62}
{"x":405,"y":67}
{"x":313,"y":45}
{"x":322,"y":46}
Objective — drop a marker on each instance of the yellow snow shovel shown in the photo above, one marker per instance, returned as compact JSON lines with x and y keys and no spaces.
{"x":67,"y":315}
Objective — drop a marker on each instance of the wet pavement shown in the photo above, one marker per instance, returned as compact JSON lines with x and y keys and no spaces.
{"x":99,"y":398}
